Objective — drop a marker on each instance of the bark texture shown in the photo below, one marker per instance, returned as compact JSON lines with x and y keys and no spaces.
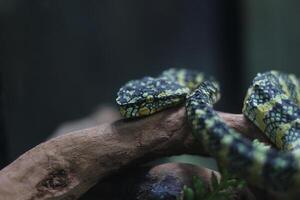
{"x":65,"y":167}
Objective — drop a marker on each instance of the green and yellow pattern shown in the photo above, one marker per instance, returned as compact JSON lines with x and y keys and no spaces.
{"x":272,"y":104}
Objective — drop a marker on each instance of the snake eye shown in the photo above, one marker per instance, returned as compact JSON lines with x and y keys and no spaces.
{"x":149,"y":98}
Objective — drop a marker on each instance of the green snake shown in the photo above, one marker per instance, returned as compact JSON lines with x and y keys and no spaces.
{"x":272,"y":104}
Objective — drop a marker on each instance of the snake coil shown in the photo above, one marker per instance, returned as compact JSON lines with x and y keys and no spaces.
{"x":272,"y":104}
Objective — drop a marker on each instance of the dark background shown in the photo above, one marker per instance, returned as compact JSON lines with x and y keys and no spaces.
{"x":60,"y":59}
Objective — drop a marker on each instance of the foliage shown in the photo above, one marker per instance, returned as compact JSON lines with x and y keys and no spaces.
{"x":220,"y":190}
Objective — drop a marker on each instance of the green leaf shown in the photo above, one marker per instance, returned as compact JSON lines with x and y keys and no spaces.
{"x":242,"y":184}
{"x":214,"y":181}
{"x":188,"y":193}
{"x":199,"y":187}
{"x":221,"y":190}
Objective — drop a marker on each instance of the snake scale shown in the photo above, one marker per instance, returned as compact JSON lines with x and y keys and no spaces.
{"x":272,"y":104}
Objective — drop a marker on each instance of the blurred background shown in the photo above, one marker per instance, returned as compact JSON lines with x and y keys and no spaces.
{"x":61,"y":59}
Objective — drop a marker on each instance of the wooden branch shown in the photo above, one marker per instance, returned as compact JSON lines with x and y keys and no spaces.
{"x":65,"y":167}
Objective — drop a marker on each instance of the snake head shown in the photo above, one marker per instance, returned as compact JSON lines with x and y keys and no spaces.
{"x":149,"y":95}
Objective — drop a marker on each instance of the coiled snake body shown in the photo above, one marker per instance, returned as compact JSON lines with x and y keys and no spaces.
{"x":272,"y":104}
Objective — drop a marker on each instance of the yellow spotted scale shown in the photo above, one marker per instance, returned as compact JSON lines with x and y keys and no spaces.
{"x":271,"y":103}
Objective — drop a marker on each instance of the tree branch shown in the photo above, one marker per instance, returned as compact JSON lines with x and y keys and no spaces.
{"x":65,"y":167}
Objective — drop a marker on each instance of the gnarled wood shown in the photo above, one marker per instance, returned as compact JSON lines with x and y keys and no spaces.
{"x":67,"y":166}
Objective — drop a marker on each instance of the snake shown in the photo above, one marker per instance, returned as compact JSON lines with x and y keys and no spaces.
{"x":272,"y":103}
